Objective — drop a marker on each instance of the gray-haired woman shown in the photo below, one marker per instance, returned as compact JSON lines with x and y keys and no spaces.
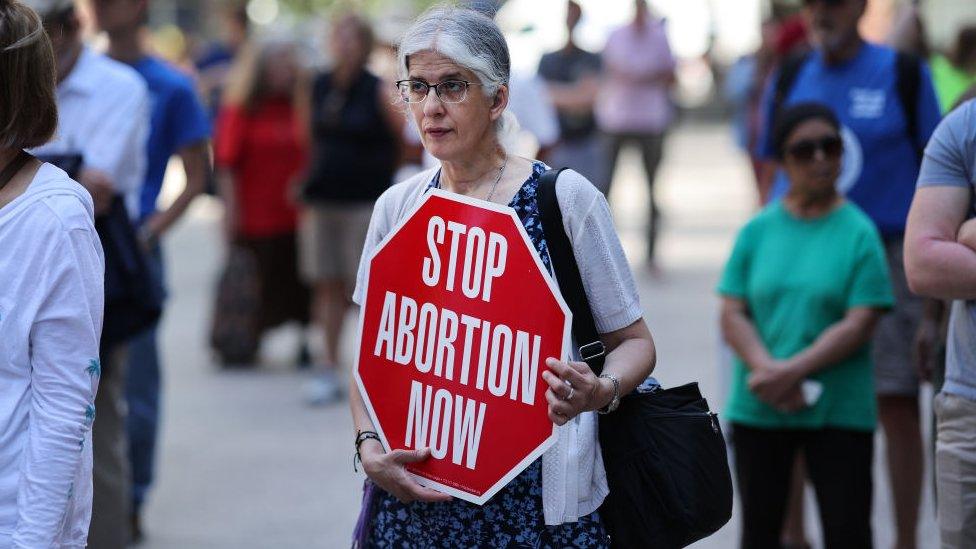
{"x":455,"y":69}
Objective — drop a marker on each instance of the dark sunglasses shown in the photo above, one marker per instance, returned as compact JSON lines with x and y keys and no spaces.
{"x":806,"y":150}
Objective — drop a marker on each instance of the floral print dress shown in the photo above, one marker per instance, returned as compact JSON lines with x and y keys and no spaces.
{"x":514,"y":516}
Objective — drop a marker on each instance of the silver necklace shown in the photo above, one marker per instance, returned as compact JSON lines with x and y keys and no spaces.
{"x":501,"y":170}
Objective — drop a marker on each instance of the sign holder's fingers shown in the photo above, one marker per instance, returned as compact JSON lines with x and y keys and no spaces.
{"x":572,"y":391}
{"x":410,"y":456}
{"x":556,"y":384}
{"x":556,"y":418}
{"x":569,"y":371}
{"x":577,"y":373}
{"x":557,"y":366}
{"x":552,"y":398}
{"x":580,"y":368}
{"x":558,"y":405}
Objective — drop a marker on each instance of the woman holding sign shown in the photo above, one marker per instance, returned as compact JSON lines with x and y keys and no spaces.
{"x":455,"y":71}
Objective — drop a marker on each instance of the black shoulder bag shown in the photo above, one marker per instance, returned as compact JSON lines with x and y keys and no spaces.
{"x":132,"y":303}
{"x":663,"y":450}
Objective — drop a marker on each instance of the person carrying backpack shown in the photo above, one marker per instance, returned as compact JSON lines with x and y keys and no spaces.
{"x":888,"y":109}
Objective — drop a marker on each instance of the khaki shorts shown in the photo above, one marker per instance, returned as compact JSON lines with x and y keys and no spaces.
{"x":331,"y":241}
{"x":892,"y":347}
{"x":955,"y":470}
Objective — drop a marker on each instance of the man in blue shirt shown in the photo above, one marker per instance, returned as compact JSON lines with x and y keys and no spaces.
{"x":882,"y":143}
{"x":940,"y":258}
{"x":180,"y":126}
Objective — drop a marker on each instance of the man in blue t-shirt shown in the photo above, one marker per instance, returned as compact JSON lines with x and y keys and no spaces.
{"x":940,"y":258}
{"x":859,"y":82}
{"x":179,"y":126}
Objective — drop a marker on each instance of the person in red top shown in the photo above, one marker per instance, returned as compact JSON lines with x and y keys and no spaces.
{"x":258,"y":154}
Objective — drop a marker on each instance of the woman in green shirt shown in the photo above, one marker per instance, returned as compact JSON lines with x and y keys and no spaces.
{"x":805,"y":284}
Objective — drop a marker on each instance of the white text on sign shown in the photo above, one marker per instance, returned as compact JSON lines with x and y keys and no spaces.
{"x":508,"y":360}
{"x":494,"y":358}
{"x":484,"y":258}
{"x":426,"y":412}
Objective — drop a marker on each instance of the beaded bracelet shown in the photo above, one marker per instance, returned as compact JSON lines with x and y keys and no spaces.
{"x":363,"y":436}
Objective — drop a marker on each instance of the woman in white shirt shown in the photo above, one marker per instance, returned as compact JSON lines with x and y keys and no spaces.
{"x":455,"y":68}
{"x":51,"y":303}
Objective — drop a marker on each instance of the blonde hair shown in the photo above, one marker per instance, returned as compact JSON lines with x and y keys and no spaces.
{"x":29,"y":110}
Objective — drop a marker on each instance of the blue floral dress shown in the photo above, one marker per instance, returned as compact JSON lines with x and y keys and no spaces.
{"x":514,"y":516}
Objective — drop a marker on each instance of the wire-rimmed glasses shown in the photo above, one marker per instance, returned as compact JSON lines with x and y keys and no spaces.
{"x":448,"y":91}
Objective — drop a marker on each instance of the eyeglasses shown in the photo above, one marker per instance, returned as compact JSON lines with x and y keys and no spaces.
{"x":806,"y":150}
{"x":448,"y":91}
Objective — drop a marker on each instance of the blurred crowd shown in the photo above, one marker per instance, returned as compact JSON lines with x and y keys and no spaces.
{"x":298,"y":154}
{"x":832,"y":335}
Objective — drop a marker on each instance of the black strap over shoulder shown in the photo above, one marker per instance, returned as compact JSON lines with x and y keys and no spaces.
{"x":567,"y":272}
{"x":12,"y":167}
{"x":908,"y":79}
{"x":788,"y":71}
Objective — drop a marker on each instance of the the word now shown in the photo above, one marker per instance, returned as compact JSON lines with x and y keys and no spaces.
{"x":431,"y":423}
{"x":508,"y":360}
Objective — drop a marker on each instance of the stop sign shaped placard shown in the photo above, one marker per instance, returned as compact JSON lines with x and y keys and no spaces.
{"x":458,"y":319}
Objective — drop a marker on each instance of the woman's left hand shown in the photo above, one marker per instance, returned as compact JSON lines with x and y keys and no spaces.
{"x":773,"y":383}
{"x":573,"y":389}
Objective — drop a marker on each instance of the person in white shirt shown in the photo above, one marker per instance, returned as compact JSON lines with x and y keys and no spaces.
{"x":533,"y":108}
{"x":51,"y":265}
{"x":103,"y":111}
{"x":104,"y":119}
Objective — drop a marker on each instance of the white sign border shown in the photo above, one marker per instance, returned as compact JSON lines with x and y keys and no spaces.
{"x":567,"y":327}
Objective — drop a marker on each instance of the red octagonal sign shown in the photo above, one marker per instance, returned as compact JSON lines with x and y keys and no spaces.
{"x":458,"y":319}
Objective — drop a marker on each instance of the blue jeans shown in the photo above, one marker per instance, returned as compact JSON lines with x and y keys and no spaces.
{"x":142,"y":389}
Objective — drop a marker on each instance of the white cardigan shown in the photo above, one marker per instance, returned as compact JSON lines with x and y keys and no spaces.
{"x":574,"y":481}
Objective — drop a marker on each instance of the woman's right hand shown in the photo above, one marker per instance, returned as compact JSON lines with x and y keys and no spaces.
{"x":389,"y":472}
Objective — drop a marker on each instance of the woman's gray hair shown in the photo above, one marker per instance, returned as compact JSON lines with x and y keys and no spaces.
{"x":473,"y":41}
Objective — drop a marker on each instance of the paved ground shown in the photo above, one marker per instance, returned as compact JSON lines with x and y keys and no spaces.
{"x":244,"y":464}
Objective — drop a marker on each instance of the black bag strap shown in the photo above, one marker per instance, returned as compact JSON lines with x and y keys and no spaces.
{"x":567,"y":272}
{"x":908,"y":78}
{"x":12,"y":167}
{"x":789,"y":69}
